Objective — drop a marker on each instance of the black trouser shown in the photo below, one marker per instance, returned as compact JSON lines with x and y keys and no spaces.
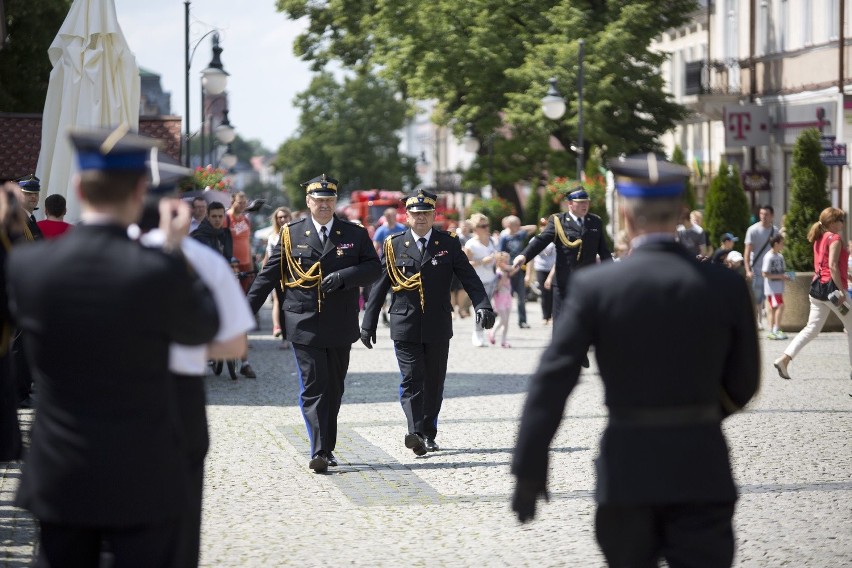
{"x":321,"y":374}
{"x":192,"y":411}
{"x":546,"y":295}
{"x":21,"y":368}
{"x":10,"y":431}
{"x":423,"y":368}
{"x":145,"y":546}
{"x":696,"y":535}
{"x":520,"y":290}
{"x":558,"y":298}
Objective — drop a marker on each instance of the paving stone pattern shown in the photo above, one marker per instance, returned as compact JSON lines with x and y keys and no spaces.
{"x":384,"y":506}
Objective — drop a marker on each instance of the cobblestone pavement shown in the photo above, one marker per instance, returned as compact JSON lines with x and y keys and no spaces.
{"x":384,"y":506}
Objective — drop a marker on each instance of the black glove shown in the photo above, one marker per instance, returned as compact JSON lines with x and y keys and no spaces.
{"x":332,"y":282}
{"x":485,"y":318}
{"x":255,"y":205}
{"x":367,"y":336}
{"x":525,"y":496}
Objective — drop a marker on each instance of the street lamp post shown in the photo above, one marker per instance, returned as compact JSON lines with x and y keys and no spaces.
{"x":214,"y":79}
{"x":471,"y":144}
{"x":553,"y":106}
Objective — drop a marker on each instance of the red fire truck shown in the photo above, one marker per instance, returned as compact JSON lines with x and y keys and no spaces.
{"x":368,"y":206}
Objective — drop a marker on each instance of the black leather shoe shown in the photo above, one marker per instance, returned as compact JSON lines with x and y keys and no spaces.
{"x":431,"y":446}
{"x":319,"y":463}
{"x":414,"y":442}
{"x":332,"y":461}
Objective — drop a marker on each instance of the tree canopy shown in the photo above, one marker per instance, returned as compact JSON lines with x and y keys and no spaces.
{"x":487,"y":62}
{"x":24,"y":65}
{"x":347,"y":131}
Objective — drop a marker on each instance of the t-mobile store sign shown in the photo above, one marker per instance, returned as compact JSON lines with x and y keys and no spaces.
{"x":746,"y":125}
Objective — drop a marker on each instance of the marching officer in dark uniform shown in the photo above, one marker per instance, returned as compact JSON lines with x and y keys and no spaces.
{"x":318,"y":267}
{"x":664,"y":484}
{"x":419,"y":265}
{"x":31,"y":187}
{"x":580,"y":239}
{"x":99,"y":311}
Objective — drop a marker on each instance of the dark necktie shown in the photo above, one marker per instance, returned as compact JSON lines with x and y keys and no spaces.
{"x":323,"y":235}
{"x":422,"y":247}
{"x":580,"y":222}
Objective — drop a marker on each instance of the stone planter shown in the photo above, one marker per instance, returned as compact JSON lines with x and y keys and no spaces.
{"x":797,"y":306}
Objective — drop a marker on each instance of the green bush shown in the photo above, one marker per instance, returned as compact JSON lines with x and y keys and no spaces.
{"x":689,"y":197}
{"x":532,"y":206}
{"x":808,"y":197}
{"x":495,"y":209}
{"x":726,"y":209}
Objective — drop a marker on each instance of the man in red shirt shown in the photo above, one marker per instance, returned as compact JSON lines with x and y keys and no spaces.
{"x":54,"y":224}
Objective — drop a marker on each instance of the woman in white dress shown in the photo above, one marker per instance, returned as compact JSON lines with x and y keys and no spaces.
{"x":482,"y":253}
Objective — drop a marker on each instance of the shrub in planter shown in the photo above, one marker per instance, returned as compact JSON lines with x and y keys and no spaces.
{"x":808,"y":198}
{"x":726,"y":207}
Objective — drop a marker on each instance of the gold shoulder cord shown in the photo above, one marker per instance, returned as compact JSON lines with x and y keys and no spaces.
{"x":398,"y":279}
{"x":563,"y":238}
{"x":302,"y":279}
{"x":6,"y":332}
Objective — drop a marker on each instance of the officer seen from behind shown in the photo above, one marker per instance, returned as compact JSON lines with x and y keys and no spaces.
{"x":664,"y":484}
{"x":419,"y":265}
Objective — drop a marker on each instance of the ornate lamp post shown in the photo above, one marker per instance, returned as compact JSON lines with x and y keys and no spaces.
{"x":553,"y":107}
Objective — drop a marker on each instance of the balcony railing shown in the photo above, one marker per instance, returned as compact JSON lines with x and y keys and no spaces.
{"x":713,"y":78}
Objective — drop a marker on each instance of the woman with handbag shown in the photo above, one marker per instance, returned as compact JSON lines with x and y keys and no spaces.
{"x":830,"y":275}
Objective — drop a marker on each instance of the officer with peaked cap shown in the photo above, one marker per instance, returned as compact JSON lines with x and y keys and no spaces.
{"x":580,"y":240}
{"x":318,"y":266}
{"x":419,"y":265}
{"x":664,"y":484}
{"x":106,"y":465}
{"x":31,"y":188}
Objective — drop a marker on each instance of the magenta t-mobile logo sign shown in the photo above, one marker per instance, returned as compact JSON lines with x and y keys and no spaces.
{"x":746,"y":125}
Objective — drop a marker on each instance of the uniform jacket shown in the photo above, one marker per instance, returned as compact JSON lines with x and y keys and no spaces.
{"x":443,"y":258}
{"x":334,"y":323}
{"x":669,"y":333}
{"x":99,"y":312}
{"x":594,"y":244}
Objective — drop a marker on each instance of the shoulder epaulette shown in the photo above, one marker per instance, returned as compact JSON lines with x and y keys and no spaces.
{"x":453,"y":234}
{"x":395,"y":235}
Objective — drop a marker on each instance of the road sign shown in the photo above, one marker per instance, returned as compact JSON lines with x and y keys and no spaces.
{"x":836,"y":156}
{"x":827,"y":142}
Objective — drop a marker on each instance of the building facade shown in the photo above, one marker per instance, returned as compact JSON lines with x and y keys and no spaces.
{"x":755,"y":73}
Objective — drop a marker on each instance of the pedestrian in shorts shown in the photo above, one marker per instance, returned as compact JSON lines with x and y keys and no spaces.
{"x":774,"y":275}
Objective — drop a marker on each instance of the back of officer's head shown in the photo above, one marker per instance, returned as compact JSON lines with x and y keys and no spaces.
{"x":112,"y":163}
{"x":651,"y":188}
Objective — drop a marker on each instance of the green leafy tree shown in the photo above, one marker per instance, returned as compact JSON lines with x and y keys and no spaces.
{"x":347,"y":131}
{"x":24,"y":65}
{"x":808,"y":198}
{"x":689,"y":197}
{"x":487,"y":62}
{"x":726,"y":210}
{"x":494,"y":208}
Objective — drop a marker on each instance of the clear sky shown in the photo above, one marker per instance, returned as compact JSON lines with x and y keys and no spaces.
{"x":257,"y":51}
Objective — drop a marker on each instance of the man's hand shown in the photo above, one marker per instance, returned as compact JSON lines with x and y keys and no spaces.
{"x":331,"y":283}
{"x":485,"y":318}
{"x":519,"y":261}
{"x":175,"y":216}
{"x":367,"y":336}
{"x":525,"y":496}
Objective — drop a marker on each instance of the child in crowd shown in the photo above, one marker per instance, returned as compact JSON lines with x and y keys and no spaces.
{"x":774,"y":274}
{"x":501,"y":301}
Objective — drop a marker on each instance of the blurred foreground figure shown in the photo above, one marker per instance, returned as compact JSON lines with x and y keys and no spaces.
{"x":106,"y":469}
{"x":664,"y":484}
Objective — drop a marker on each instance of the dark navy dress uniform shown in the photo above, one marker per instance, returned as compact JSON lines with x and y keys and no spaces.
{"x":577,"y":246}
{"x":664,"y":483}
{"x":421,"y":319}
{"x":106,"y":461}
{"x":321,"y":327}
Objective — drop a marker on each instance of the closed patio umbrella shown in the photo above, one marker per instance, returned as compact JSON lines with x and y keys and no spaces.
{"x":94,"y":83}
